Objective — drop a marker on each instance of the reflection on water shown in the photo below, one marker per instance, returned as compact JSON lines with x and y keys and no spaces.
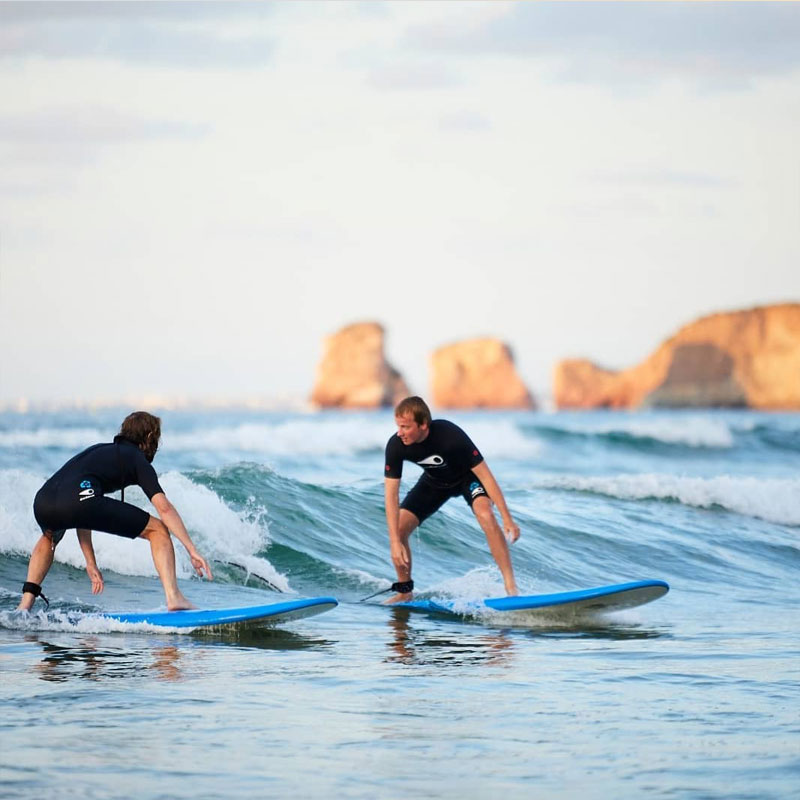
{"x":88,"y":659}
{"x":411,"y":646}
{"x":606,"y":625}
{"x":615,"y":632}
{"x":263,"y":638}
{"x":166,"y":663}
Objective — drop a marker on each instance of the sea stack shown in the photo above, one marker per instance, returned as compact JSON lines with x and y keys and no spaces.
{"x":354,"y":372}
{"x":748,"y":359}
{"x":477,"y":373}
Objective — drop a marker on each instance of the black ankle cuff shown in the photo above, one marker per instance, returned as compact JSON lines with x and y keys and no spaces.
{"x":35,"y":590}
{"x":403,"y":587}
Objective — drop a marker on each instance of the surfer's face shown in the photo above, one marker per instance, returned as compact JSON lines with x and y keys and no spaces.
{"x":409,"y":431}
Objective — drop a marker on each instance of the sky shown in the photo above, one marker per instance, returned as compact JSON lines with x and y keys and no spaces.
{"x":194,"y":195}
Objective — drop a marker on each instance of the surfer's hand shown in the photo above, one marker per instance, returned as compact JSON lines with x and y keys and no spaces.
{"x":511,"y":530}
{"x":96,"y":577}
{"x":200,"y":565}
{"x":399,"y":555}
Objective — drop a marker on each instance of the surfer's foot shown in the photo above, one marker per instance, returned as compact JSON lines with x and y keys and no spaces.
{"x":179,"y":603}
{"x":403,"y":597}
{"x":26,"y":604}
{"x":512,"y":590}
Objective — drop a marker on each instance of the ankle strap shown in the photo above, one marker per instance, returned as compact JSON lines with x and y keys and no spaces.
{"x":36,"y":591}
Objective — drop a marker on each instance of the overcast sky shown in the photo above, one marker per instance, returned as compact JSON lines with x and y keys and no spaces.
{"x":192,"y":195}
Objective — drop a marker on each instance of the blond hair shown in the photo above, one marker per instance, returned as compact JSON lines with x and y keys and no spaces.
{"x":414,"y":407}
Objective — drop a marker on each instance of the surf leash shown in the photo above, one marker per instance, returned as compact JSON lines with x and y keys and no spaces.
{"x":254,"y":574}
{"x":401,"y":587}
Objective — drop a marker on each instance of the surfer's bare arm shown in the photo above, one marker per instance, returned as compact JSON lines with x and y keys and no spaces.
{"x":391,"y":491}
{"x":172,"y":519}
{"x":484,"y":475}
{"x":87,"y":548}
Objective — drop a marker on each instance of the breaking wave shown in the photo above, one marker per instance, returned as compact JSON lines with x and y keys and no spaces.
{"x":771,"y":499}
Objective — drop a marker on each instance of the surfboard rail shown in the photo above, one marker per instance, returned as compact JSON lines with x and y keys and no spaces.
{"x":205,"y":617}
{"x":598,"y":599}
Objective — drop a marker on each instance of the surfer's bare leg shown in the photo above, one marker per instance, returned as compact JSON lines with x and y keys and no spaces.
{"x":407,"y":524}
{"x":164,"y":559}
{"x":484,"y":513}
{"x":38,"y":567}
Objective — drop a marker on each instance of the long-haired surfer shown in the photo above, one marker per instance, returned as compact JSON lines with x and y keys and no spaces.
{"x":74,"y":497}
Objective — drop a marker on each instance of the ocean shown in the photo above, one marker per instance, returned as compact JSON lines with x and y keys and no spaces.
{"x":696,"y":695}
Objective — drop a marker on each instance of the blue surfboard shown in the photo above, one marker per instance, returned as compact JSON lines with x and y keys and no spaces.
{"x":216,"y":617}
{"x":599,"y":600}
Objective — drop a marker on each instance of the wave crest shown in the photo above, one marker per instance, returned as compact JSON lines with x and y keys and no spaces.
{"x":772,"y":499}
{"x":696,"y":431}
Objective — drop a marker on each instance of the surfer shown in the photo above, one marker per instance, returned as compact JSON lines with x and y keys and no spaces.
{"x":74,"y":497}
{"x":452,"y":466}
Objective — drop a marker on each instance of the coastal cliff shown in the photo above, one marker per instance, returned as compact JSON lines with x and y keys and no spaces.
{"x":748,"y":359}
{"x":477,"y":373}
{"x":354,"y":372}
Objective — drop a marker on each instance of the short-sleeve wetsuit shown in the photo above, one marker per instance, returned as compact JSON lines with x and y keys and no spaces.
{"x":74,"y":496}
{"x":447,"y":456}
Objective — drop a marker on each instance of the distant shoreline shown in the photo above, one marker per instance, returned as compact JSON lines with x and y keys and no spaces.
{"x":161,"y":403}
{"x":288,"y":404}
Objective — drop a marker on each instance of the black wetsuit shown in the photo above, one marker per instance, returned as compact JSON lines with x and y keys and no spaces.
{"x":447,"y":456}
{"x":74,"y":496}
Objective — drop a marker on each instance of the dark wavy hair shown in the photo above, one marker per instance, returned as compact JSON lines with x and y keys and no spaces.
{"x":414,"y":407}
{"x":144,"y":430}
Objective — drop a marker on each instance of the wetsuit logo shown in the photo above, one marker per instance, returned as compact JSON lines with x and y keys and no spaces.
{"x":476,"y":490}
{"x":431,"y":461}
{"x":86,"y":493}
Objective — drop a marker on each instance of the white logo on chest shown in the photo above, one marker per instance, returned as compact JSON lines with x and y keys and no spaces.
{"x":431,"y":461}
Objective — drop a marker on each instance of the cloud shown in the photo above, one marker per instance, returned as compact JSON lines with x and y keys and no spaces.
{"x":666,"y":178}
{"x":471,"y":121}
{"x":164,"y":10}
{"x":89,"y":125}
{"x":719,"y":45}
{"x":75,"y":137}
{"x":178,"y":34}
{"x":414,"y":76}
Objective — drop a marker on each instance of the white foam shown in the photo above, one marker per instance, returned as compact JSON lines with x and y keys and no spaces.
{"x":307,"y":436}
{"x":76,"y":621}
{"x":18,"y":528}
{"x":261,"y":568}
{"x":772,"y":499}
{"x":344,"y":434}
{"x":465,"y":594}
{"x":497,"y":438}
{"x":364,"y":578}
{"x":476,"y":584}
{"x":693,"y":431}
{"x":76,"y":439}
{"x":303,"y":437}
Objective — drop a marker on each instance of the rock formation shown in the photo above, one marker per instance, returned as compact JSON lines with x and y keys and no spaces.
{"x":478,"y":373}
{"x":741,"y":358}
{"x":354,"y":372}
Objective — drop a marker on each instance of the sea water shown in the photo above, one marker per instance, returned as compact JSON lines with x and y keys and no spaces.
{"x":694,"y":696}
